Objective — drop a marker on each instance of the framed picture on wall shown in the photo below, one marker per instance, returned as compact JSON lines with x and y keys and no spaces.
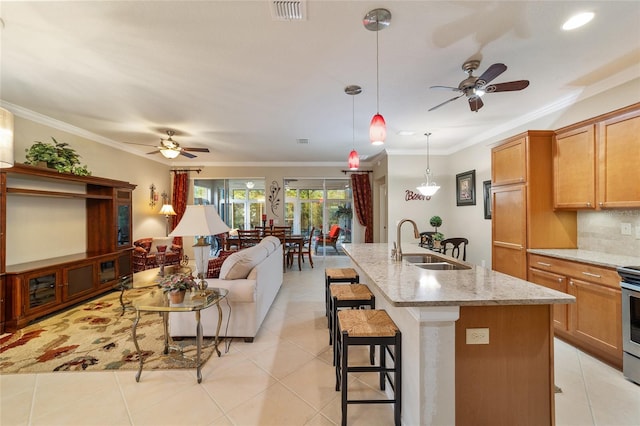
{"x":487,"y":198}
{"x":466,"y":188}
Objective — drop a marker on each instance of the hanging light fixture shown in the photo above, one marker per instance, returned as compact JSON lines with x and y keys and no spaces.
{"x":428,"y":188}
{"x":376,"y":20}
{"x":6,"y":139}
{"x":354,"y":158}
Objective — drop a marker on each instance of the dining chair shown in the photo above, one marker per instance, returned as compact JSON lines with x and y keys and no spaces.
{"x":248,"y":237}
{"x":301,"y":250}
{"x":281,"y":234}
{"x":426,"y":239}
{"x":454,"y":244}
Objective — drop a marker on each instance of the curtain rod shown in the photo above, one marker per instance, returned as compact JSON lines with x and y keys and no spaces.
{"x":356,"y":171}
{"x":186,"y":170}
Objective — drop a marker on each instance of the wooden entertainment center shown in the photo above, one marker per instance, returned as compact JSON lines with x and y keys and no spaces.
{"x":37,"y":288}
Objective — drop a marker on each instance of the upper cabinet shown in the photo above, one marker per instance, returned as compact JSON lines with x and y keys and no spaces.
{"x":596,"y":162}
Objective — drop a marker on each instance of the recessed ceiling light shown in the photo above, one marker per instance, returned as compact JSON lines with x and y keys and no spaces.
{"x":406,"y":133}
{"x":578,"y":20}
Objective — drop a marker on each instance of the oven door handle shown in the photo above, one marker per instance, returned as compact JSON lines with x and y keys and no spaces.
{"x":631,"y":287}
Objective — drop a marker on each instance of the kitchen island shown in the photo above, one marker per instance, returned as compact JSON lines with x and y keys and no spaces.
{"x":450,"y":375}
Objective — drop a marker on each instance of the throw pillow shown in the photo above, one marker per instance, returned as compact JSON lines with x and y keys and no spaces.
{"x":161,"y":249}
{"x":240,"y":263}
{"x":213,"y":269}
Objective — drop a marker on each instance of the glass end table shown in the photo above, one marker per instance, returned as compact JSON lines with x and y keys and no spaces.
{"x":194,"y":301}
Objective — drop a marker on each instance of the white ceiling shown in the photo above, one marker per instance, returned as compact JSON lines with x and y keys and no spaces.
{"x":225,"y":75}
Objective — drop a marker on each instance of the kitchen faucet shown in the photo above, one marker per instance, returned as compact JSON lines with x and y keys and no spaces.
{"x":397,"y":251}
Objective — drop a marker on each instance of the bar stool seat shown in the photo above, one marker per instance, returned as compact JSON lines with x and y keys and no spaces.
{"x":347,"y":296}
{"x":337,"y":275}
{"x":369,"y":327}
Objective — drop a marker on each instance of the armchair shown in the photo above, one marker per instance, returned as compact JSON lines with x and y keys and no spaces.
{"x":330,"y":239}
{"x":145,"y":249}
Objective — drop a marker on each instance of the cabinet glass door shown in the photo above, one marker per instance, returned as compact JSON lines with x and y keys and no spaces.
{"x":124,"y":225}
{"x":107,"y":271}
{"x":42,"y":290}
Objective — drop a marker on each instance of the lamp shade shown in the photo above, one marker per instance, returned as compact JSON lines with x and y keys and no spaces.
{"x":354,"y":160}
{"x":200,"y":220}
{"x":170,"y":153}
{"x":377,"y":130}
{"x":167,"y":210}
{"x":428,"y":189}
{"x":6,"y":139}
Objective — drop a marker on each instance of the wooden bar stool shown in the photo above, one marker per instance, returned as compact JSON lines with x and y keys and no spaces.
{"x":347,"y":296}
{"x":369,"y":327}
{"x":337,"y":275}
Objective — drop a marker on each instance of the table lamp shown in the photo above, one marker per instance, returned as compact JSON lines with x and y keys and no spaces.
{"x":200,"y":221}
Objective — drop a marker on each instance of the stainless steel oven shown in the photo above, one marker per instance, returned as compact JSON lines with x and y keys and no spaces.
{"x":630,"y":322}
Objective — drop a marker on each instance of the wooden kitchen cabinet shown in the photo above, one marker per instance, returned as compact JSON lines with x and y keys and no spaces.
{"x":596,"y":162}
{"x":594,"y":322}
{"x":522,"y":202}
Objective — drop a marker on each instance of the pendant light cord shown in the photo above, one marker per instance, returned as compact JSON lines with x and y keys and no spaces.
{"x":377,"y":68}
{"x":428,"y":168}
{"x":353,"y":122}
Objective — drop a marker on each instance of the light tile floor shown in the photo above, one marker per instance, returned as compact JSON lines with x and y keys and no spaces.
{"x":283,"y":378}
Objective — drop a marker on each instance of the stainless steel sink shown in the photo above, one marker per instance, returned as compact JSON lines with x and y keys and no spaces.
{"x":441,"y":266}
{"x":420,"y":258}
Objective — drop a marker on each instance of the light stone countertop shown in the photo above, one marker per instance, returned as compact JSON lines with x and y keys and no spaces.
{"x":594,"y":257}
{"x":406,"y":285}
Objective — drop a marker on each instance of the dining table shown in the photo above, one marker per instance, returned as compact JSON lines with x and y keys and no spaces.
{"x":295,"y":241}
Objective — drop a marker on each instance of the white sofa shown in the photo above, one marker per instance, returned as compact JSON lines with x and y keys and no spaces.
{"x":253,"y":277}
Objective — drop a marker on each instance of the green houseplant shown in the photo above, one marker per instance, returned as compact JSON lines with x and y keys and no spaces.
{"x":57,"y":155}
{"x":435,"y":221}
{"x":437,"y":239}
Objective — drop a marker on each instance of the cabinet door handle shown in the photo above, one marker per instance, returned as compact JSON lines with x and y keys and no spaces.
{"x":589,"y":274}
{"x":560,"y":280}
{"x":571,"y":283}
{"x":544,"y":264}
{"x":588,"y":204}
{"x":601,"y":203}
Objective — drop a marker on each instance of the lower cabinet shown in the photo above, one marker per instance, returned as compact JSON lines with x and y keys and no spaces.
{"x":594,"y":322}
{"x":37,"y":289}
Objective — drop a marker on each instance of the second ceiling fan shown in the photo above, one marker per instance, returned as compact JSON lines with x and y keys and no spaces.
{"x":475,"y":87}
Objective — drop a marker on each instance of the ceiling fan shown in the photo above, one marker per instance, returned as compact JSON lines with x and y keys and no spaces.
{"x":475,"y":87}
{"x":171,"y":149}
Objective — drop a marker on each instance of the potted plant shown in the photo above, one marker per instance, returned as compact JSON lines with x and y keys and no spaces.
{"x":435,"y":221}
{"x":176,"y":286}
{"x":57,"y":155}
{"x":437,"y":239}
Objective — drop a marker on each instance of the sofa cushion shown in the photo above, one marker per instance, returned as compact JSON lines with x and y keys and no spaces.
{"x":240,"y":263}
{"x":271,"y":243}
{"x":159,"y":242}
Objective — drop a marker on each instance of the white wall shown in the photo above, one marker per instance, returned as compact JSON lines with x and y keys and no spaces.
{"x":32,"y":230}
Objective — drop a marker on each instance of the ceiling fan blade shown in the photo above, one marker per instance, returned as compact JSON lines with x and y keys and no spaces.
{"x":186,"y":154}
{"x":509,"y":86}
{"x":141,"y":144}
{"x":455,"y":89}
{"x":492,"y":72}
{"x":475,"y":103}
{"x":196,"y":149}
{"x":446,"y":102}
{"x":154,"y":152}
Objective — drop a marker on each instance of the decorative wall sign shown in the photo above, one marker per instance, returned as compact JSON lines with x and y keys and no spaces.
{"x":487,"y":198}
{"x":274,"y":197}
{"x":466,"y":188}
{"x":409,"y":195}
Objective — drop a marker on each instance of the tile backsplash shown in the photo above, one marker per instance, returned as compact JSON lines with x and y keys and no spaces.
{"x":601,"y":231}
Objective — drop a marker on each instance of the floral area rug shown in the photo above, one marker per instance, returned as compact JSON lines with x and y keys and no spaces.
{"x":95,"y":335}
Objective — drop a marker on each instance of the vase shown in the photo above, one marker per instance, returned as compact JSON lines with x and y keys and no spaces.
{"x":436,"y":244}
{"x":176,"y":297}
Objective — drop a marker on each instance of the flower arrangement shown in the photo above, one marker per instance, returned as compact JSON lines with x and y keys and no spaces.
{"x":177,"y":282}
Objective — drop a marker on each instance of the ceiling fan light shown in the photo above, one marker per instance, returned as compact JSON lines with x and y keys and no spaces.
{"x":169,"y":153}
{"x":354,"y":160}
{"x":578,"y":20}
{"x":377,"y":130}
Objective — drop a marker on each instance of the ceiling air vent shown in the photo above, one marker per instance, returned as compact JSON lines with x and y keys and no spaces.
{"x":302,"y":141}
{"x":289,"y":10}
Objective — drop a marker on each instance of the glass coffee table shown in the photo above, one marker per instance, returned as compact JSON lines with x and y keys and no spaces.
{"x":147,"y":279}
{"x":194,"y":301}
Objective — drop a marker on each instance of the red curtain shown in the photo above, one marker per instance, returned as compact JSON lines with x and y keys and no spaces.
{"x":180,"y":197}
{"x":363,"y":203}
